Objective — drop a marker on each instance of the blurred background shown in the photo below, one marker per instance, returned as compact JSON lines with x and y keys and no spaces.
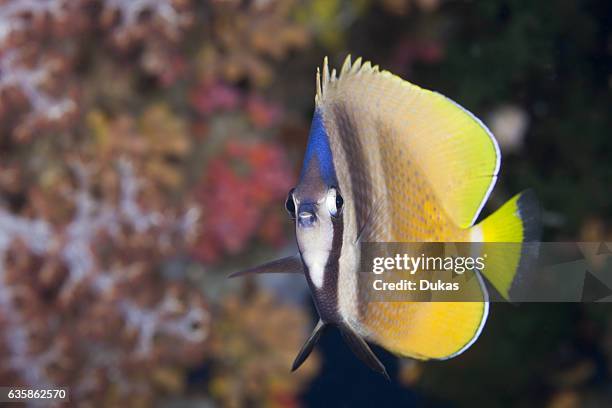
{"x":146,"y":149}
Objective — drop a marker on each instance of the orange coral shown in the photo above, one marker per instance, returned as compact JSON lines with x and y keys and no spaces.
{"x":254,"y":343}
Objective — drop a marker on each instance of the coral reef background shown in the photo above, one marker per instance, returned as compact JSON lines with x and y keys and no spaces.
{"x":146,"y":147}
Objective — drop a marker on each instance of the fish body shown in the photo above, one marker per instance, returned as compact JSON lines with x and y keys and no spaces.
{"x":387,"y":161}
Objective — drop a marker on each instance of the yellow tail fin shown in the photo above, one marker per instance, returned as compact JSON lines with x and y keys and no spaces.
{"x":517,"y":221}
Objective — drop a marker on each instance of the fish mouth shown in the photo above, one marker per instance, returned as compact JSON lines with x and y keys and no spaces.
{"x":306,"y":215}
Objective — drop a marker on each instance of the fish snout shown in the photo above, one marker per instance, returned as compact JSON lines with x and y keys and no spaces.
{"x":306,"y":215}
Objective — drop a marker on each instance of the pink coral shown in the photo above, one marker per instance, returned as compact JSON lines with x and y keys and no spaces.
{"x":207,"y":99}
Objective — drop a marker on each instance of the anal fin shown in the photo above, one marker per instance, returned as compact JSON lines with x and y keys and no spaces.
{"x":290,"y":264}
{"x":308,"y":345}
{"x":361,"y":349}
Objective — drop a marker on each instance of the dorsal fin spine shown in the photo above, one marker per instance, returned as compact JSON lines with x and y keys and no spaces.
{"x":319,"y":92}
{"x":325,"y":74}
{"x":326,"y":77}
{"x":346,"y":66}
{"x":356,"y":65}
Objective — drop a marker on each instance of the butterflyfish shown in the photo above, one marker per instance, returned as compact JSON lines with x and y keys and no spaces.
{"x":388,"y":161}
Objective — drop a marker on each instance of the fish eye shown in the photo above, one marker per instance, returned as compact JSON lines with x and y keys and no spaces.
{"x":290,"y":204}
{"x":334,"y":202}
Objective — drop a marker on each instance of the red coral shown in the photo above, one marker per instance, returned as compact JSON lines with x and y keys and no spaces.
{"x":238,"y":188}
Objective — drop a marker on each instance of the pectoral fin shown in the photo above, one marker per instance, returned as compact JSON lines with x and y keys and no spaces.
{"x":362,"y":351}
{"x":308,"y":345}
{"x":290,"y":264}
{"x":372,"y":225}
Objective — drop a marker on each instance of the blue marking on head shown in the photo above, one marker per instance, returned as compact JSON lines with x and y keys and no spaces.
{"x":318,"y":146}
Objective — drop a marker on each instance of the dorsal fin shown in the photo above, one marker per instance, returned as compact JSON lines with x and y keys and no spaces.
{"x":452,"y":148}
